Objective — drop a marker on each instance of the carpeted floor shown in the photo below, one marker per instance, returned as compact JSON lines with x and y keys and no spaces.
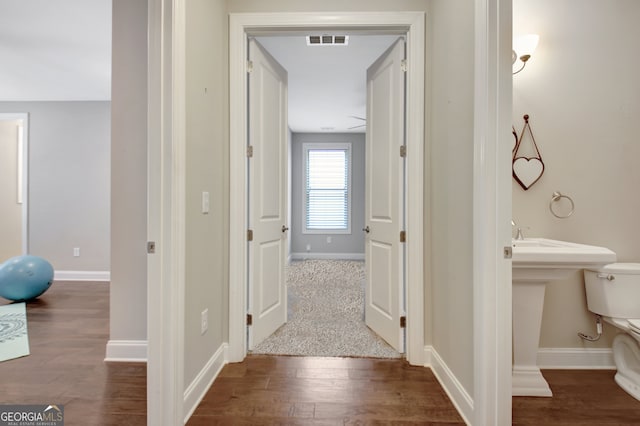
{"x":326,"y":313}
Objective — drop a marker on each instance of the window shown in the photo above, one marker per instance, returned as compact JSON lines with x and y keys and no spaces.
{"x":327,"y":197}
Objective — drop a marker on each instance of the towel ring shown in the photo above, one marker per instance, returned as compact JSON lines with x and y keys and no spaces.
{"x":557,"y":196}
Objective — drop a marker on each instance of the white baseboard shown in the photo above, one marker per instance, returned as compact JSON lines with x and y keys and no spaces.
{"x":82,"y":276}
{"x":126,"y":351}
{"x":454,"y":389}
{"x":576,"y":358}
{"x":200,"y":385}
{"x":327,"y":256}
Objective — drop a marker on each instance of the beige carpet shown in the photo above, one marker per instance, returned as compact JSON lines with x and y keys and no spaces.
{"x":326,"y":313}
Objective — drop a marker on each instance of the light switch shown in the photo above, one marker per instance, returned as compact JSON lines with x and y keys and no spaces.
{"x":205,"y":202}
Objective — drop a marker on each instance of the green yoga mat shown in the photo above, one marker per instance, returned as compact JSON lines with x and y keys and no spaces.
{"x":14,"y":341}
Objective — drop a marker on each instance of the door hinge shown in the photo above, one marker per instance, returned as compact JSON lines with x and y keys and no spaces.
{"x":249,"y":66}
{"x":403,"y":65}
{"x":249,"y":234}
{"x":508,"y":252}
{"x":403,"y":322}
{"x":403,"y":236}
{"x":151,"y":247}
{"x":250,"y":151}
{"x":249,"y":319}
{"x":403,"y":151}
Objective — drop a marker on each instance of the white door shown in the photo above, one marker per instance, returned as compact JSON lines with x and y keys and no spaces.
{"x":384,"y":210}
{"x":11,"y":190}
{"x":267,"y":194}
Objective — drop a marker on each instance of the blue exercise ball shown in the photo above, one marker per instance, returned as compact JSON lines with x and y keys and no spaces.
{"x":25,"y":277}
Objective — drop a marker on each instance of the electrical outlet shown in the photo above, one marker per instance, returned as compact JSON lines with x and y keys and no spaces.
{"x":76,"y":252}
{"x":204,"y":321}
{"x":328,"y":240}
{"x":308,"y":247}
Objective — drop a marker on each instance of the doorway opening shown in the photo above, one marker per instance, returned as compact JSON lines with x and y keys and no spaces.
{"x":14,"y":162}
{"x":242,"y":27}
{"x":327,"y":141}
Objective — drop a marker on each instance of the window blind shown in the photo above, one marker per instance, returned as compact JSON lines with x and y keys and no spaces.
{"x":327,"y":189}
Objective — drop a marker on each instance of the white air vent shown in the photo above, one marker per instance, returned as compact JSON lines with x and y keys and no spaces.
{"x":327,"y":40}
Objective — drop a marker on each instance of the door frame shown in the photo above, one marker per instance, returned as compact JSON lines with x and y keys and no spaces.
{"x":24,"y":117}
{"x":242,"y":25}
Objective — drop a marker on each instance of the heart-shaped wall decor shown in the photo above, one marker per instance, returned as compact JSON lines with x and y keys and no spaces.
{"x":527,"y":171}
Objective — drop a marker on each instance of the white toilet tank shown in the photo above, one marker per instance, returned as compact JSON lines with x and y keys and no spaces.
{"x":614,"y":290}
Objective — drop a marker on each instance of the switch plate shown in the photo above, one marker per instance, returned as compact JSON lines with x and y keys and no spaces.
{"x":205,"y":202}
{"x":204,"y":321}
{"x":76,"y":252}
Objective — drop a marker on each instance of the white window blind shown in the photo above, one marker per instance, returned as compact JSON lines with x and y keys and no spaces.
{"x":327,"y":187}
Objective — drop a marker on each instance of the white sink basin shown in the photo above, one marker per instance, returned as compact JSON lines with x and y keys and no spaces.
{"x":535,"y":262}
{"x":541,"y":253}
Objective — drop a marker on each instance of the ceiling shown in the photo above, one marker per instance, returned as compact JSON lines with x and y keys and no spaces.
{"x":61,"y":51}
{"x":55,"y":50}
{"x":327,"y":84}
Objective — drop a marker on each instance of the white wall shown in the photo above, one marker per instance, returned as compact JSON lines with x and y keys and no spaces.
{"x":207,"y":170}
{"x":450,"y":180}
{"x":128,"y":314}
{"x":342,"y":244}
{"x":581,"y":91}
{"x":69,"y":169}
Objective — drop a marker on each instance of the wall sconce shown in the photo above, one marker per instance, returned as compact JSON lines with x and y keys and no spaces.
{"x":523,"y":48}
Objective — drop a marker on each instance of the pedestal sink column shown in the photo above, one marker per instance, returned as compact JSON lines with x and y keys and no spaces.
{"x":537,"y":261}
{"x":528,"y":300}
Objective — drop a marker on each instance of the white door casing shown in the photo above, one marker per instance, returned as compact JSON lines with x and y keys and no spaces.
{"x":384,"y":199}
{"x":268,"y":166}
{"x":241,"y":25}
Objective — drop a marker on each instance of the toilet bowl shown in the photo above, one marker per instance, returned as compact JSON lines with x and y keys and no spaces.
{"x":613,"y":292}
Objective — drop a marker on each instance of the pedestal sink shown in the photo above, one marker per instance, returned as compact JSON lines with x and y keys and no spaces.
{"x":536,"y":261}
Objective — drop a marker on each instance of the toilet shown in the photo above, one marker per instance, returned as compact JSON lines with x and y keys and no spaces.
{"x":613,"y":292}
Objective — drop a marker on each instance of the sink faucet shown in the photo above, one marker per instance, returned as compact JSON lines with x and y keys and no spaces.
{"x":519,"y":234}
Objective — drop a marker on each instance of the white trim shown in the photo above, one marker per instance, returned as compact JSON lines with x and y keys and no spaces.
{"x":24,"y":117}
{"x":576,"y":359}
{"x":126,"y":351}
{"x":166,"y":211}
{"x":82,"y":276}
{"x":452,"y":387}
{"x":413,"y":23}
{"x":328,"y":256}
{"x":202,"y":382}
{"x":492,"y":213}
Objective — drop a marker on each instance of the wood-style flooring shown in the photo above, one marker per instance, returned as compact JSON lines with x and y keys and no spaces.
{"x":68,"y":331}
{"x":266,"y":390}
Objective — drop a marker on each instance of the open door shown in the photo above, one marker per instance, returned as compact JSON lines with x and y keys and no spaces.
{"x":268,"y":167}
{"x":384,"y":210}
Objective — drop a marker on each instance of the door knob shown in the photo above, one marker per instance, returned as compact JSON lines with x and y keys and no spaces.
{"x":366,"y":229}
{"x":284,"y":228}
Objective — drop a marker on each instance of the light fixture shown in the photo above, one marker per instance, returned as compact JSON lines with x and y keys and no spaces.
{"x":523,"y":48}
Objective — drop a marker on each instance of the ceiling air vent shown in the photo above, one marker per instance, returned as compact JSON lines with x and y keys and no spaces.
{"x":327,"y":40}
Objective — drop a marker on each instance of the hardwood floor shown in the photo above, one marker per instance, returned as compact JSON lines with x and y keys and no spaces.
{"x":267,"y":390}
{"x":580,"y":397}
{"x":68,"y":331}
